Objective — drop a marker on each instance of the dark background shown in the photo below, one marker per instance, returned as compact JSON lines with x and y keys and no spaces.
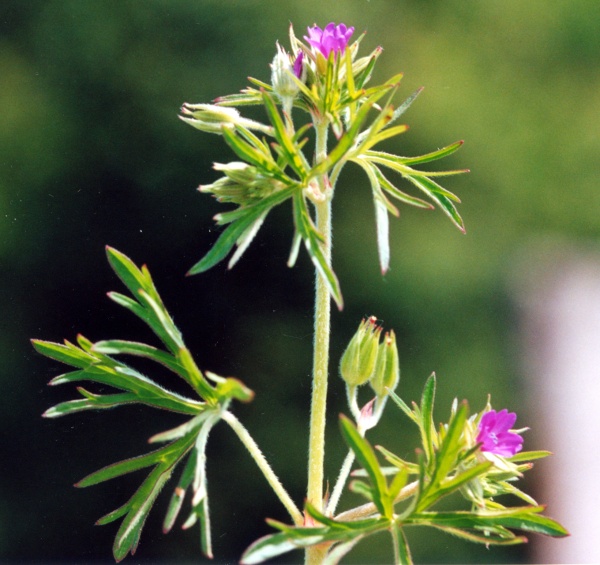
{"x":92,"y":153}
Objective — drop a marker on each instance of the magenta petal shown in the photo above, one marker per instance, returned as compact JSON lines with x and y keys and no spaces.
{"x":495,"y":436}
{"x":332,"y":38}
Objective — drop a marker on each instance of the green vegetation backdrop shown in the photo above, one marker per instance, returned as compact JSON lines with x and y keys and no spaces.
{"x":92,"y":153}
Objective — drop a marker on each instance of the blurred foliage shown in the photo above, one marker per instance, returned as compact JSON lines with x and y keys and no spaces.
{"x":92,"y":153}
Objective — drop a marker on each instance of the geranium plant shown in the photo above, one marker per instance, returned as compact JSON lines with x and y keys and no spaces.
{"x":477,"y":455}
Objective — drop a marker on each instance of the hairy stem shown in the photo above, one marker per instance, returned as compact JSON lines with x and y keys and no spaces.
{"x":264,"y":466}
{"x":316,"y":447}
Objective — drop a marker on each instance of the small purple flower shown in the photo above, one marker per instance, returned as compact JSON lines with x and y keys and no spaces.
{"x":495,"y":435}
{"x":332,"y":38}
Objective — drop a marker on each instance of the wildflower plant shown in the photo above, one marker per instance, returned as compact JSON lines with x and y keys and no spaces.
{"x":477,"y":456}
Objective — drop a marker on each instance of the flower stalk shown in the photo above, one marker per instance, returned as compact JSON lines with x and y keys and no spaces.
{"x":264,"y":466}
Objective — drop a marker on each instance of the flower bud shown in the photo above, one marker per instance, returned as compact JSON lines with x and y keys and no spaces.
{"x":242,"y":184}
{"x":387,"y":368}
{"x":359,"y":359}
{"x":282,"y":73}
{"x":212,"y":118}
{"x":209,"y":117}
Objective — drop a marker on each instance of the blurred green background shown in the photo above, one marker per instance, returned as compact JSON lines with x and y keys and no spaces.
{"x":92,"y":153}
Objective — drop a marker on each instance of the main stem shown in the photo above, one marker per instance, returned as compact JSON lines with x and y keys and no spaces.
{"x":316,"y":447}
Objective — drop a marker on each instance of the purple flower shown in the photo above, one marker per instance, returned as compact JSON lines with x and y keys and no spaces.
{"x":332,"y":38}
{"x":495,"y":435}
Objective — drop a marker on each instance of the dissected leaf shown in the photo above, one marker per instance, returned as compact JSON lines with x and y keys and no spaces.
{"x":526,"y":518}
{"x":245,"y":217}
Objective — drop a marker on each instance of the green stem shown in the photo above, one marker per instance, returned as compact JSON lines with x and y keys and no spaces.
{"x":370,"y":509}
{"x":264,"y":466}
{"x":396,"y":544}
{"x":316,"y":447}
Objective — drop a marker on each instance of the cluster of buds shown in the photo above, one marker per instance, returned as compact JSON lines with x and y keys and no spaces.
{"x":288,"y":71}
{"x":242,"y":184}
{"x":369,"y":360}
{"x":321,"y":74}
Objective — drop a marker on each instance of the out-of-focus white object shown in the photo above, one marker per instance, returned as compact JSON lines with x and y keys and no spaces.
{"x":561,"y":331}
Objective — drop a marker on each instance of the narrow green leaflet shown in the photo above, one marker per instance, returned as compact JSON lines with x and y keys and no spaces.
{"x":382,"y":205}
{"x":366,"y":456}
{"x":140,"y":284}
{"x":247,"y":97}
{"x":406,"y":104}
{"x":67,"y":353}
{"x":426,"y":424}
{"x":529,"y":456}
{"x":525,"y":518}
{"x":246,"y":238}
{"x":172,"y":452}
{"x":404,"y":407}
{"x":107,"y":371}
{"x":268,"y":547}
{"x":137,"y":508}
{"x":340,"y":550}
{"x":313,"y":243}
{"x":447,"y":456}
{"x":90,"y":402}
{"x":432,"y":190}
{"x":128,"y":535}
{"x":126,"y":270}
{"x":294,"y":156}
{"x":386,"y":185}
{"x":397,"y":461}
{"x":123,"y":347}
{"x":176,"y":501}
{"x":434,"y":155}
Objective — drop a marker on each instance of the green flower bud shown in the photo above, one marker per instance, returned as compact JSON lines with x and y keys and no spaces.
{"x":387,"y":369}
{"x":212,"y":118}
{"x":359,"y":359}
